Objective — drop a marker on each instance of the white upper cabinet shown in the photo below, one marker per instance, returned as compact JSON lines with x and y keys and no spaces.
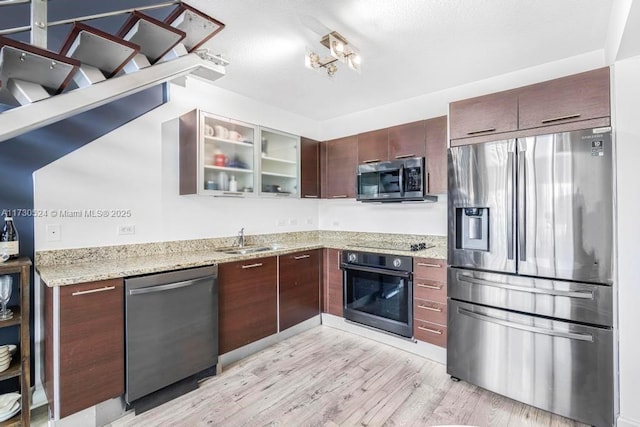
{"x":225,"y":157}
{"x":279,"y":163}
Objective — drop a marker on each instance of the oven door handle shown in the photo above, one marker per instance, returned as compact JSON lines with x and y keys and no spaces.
{"x":404,"y":274}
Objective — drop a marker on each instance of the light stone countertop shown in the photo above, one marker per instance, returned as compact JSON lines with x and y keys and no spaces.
{"x":94,"y":268}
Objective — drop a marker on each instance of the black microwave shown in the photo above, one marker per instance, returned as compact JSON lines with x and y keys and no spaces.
{"x":393,"y":181}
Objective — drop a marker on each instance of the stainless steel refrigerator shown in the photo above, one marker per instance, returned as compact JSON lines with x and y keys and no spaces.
{"x":530,"y":272}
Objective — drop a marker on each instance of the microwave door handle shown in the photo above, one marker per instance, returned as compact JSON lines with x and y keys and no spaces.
{"x":401,"y":180}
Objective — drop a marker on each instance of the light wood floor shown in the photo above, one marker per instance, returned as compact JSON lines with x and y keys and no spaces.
{"x":326,"y":377}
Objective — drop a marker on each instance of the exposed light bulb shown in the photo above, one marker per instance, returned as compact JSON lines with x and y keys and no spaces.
{"x":338,"y":47}
{"x":355,"y":59}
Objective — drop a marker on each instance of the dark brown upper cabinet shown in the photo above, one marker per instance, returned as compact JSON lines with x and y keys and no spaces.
{"x":340,"y":168}
{"x":489,"y":114}
{"x":408,"y":140}
{"x":579,"y":101}
{"x":373,"y":146}
{"x":309,"y":168}
{"x":436,"y":136}
{"x":578,"y":97}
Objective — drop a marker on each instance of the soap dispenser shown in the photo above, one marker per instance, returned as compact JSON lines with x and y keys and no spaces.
{"x":233,"y":184}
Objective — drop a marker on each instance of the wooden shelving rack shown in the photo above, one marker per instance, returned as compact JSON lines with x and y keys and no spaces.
{"x":20,"y":365}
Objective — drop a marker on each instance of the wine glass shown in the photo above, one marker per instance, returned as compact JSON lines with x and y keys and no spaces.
{"x":6,"y":283}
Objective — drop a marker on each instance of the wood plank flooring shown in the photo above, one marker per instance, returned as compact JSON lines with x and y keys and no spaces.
{"x":326,"y":377}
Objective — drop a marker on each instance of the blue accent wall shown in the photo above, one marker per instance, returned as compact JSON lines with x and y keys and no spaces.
{"x":23,"y":155}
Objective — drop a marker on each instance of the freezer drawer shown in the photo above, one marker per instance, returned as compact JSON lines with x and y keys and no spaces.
{"x":557,"y":366}
{"x":579,"y":302}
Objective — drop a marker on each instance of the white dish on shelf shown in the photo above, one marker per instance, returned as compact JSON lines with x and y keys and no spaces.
{"x":9,"y":405}
{"x":14,"y":410}
{"x":12,"y":349}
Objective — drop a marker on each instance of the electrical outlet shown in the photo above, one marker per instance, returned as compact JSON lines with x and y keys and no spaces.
{"x":293,"y":221}
{"x":53,"y":233}
{"x":126,"y":229}
{"x":281,"y":222}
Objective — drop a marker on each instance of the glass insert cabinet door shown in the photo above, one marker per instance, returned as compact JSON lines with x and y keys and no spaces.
{"x":227,"y":154}
{"x":279,"y":159}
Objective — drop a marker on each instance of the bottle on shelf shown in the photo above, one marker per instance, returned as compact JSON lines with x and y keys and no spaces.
{"x":233,"y":184}
{"x":9,"y":242}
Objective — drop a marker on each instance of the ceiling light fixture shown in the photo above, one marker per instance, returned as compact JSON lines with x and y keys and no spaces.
{"x":339,"y":50}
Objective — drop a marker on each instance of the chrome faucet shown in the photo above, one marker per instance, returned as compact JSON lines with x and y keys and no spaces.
{"x":241,"y":237}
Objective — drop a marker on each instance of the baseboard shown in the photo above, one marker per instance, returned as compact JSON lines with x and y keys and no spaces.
{"x":429,"y":351}
{"x":625,"y":422}
{"x":224,"y":360}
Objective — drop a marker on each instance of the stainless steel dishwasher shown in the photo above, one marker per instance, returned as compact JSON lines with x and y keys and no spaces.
{"x":171,"y":328}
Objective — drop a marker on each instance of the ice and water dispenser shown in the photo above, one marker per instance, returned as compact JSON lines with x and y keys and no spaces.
{"x":472,"y":228}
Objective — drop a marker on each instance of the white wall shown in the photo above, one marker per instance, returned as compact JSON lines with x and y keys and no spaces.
{"x":627,"y":131}
{"x":135,"y":168}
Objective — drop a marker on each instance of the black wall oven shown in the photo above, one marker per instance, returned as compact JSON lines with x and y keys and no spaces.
{"x":378,"y":291}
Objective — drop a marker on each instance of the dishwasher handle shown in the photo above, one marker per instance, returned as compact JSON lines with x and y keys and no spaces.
{"x":169,"y":286}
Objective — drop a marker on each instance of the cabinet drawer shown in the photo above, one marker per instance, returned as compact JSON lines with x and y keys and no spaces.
{"x":431,"y":311}
{"x":430,"y":332}
{"x":431,"y":290}
{"x":430,"y":268}
{"x":574,"y":98}
{"x":484,"y":115}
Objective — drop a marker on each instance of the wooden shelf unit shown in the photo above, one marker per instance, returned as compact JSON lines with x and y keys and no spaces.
{"x":20,"y":365}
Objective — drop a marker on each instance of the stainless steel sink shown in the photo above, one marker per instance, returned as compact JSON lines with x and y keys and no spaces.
{"x":245,"y":250}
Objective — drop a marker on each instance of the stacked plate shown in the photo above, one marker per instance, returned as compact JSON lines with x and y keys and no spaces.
{"x":5,"y":358}
{"x":9,"y":405}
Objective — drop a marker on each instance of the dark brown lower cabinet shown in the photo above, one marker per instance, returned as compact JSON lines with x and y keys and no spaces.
{"x":299,"y":287}
{"x":332,"y":283}
{"x":248,"y":302}
{"x":90,"y":359}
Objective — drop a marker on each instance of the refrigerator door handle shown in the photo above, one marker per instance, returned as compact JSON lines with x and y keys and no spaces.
{"x":512,"y":205}
{"x":534,"y":329}
{"x":568,"y":294}
{"x":522,"y":208}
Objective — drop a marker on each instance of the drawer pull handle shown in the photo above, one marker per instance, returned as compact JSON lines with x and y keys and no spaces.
{"x":426,"y":264}
{"x":424,"y":285}
{"x":341,"y":196}
{"x":257,"y":264}
{"x":557,"y":119}
{"x":309,"y":196}
{"x":475,"y":132}
{"x":433,"y":331}
{"x":93,"y":291}
{"x":301,"y":257}
{"x":371,"y":161}
{"x":426,"y":307}
{"x":404,"y":156}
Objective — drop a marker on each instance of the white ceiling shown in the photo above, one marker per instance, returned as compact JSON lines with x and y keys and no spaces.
{"x":409,"y":47}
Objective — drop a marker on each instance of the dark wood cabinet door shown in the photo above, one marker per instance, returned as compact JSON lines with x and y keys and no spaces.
{"x":247,"y":292}
{"x":309,"y":168}
{"x":436,"y":130}
{"x":299,"y":287}
{"x":573,"y":98}
{"x":407,"y":140}
{"x":341,"y":167}
{"x":91,"y":344}
{"x":484,"y":115}
{"x":332,"y":283}
{"x":373,"y":146}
